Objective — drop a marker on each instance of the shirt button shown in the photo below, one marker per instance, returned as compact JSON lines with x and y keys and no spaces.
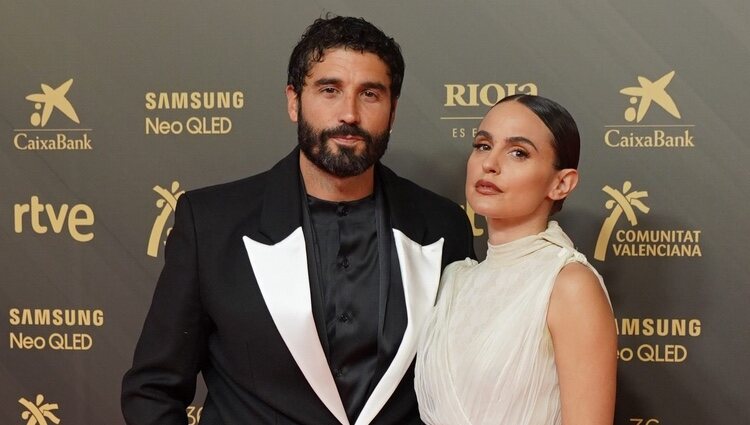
{"x":342,"y":210}
{"x":344,"y":317}
{"x":338,"y":373}
{"x":344,"y":263}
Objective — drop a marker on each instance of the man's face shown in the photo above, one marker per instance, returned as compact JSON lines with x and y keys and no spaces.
{"x":344,"y":113}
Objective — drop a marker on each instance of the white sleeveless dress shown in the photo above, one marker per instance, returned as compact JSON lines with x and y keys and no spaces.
{"x":486,"y":354}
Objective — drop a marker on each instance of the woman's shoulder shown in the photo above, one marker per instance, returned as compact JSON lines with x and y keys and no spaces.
{"x":579,"y":286}
{"x":458,"y":266}
{"x":577,"y":276}
{"x":453,"y":273}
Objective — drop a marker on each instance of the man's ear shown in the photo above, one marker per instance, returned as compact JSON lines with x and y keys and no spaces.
{"x":565,"y":181}
{"x":292,"y":103}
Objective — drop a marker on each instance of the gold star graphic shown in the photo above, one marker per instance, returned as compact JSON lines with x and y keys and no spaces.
{"x":649,"y":92}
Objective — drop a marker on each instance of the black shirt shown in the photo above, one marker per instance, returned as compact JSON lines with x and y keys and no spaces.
{"x":346,"y":240}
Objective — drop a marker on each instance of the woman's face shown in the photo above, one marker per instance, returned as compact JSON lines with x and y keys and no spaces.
{"x":510,"y":173}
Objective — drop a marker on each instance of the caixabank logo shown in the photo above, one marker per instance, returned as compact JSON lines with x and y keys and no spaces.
{"x":166,"y":203}
{"x":465,"y":104}
{"x":652,"y":118}
{"x":632,"y":237}
{"x":50,"y":120}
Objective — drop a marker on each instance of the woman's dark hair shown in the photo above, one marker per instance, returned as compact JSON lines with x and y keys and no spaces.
{"x":566,"y":141}
{"x":349,"y":33}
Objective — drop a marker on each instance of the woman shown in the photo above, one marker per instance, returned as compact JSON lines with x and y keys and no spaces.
{"x":527,"y":336}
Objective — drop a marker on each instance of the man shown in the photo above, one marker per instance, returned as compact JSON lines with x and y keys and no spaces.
{"x":299,"y":293}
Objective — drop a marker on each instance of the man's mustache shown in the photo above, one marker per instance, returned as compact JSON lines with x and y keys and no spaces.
{"x":344,"y":130}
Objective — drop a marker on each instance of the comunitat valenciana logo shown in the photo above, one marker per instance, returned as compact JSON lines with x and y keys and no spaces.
{"x":166,"y":203}
{"x":50,"y":121}
{"x":630,"y":238}
{"x":652,"y":118}
{"x":466,"y":103}
{"x":39,"y":412}
{"x":194,"y":113}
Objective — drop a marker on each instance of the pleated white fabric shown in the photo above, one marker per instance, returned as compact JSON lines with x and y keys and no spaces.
{"x":486,"y":355}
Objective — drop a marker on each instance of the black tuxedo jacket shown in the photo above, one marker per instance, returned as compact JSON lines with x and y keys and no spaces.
{"x":234,"y":303}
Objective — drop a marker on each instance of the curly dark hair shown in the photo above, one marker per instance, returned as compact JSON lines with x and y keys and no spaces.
{"x":349,"y":33}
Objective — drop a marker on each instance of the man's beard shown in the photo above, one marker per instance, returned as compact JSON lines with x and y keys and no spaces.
{"x":346,"y":162}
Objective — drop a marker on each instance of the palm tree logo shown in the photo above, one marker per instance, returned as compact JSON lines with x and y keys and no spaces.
{"x":167,"y":203}
{"x":39,"y":413}
{"x":649,"y":92}
{"x":51,"y":99}
{"x":623,"y":201}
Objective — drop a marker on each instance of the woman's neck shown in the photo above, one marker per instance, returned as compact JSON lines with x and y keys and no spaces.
{"x":501,"y":231}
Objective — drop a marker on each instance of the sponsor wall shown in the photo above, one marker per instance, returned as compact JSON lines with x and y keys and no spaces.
{"x":110,"y":111}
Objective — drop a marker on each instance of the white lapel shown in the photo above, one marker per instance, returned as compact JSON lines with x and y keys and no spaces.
{"x":281,"y":272}
{"x":420,"y":274}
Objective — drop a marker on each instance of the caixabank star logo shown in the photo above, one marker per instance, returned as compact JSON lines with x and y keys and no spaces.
{"x":53,"y":106}
{"x":167,"y":203}
{"x":640,"y":239}
{"x":49,"y":100}
{"x":652,"y":118}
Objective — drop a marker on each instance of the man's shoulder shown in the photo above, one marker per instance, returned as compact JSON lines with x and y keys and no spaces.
{"x":248,"y":188}
{"x":223,"y":193}
{"x":416,"y":194}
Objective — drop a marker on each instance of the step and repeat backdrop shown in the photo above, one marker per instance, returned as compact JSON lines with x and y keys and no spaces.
{"x":110,"y":110}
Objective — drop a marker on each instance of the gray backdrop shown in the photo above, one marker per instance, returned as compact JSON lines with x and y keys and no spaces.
{"x":663,"y":192}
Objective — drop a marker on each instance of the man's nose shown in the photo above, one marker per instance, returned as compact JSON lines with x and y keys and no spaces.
{"x":349,"y":112}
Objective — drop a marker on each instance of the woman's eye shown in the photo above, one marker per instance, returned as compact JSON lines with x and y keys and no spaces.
{"x":479,"y":146}
{"x":519,"y":153}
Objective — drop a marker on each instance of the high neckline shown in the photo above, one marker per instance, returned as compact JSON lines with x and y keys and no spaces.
{"x":514,"y":251}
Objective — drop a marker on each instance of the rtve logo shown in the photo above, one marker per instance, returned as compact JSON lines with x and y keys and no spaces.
{"x":42,"y":216}
{"x":39,"y":413}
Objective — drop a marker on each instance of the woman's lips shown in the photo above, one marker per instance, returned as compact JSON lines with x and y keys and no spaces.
{"x":487,"y":188}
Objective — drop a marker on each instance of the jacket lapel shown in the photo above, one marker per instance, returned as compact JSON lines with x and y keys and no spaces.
{"x":279,"y":259}
{"x":281,"y":272}
{"x":280,"y":263}
{"x":420,"y":274}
